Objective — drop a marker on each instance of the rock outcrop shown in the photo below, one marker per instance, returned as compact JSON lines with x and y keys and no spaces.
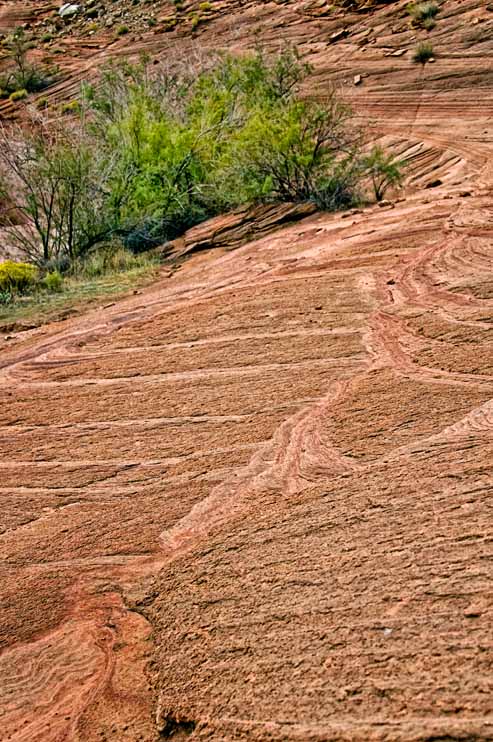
{"x":254,"y":501}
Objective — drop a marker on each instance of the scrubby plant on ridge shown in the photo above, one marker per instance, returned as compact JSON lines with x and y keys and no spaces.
{"x":423,"y":14}
{"x":22,"y":75}
{"x":423,"y":53}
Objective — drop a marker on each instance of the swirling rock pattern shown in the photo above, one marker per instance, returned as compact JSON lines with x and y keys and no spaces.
{"x":254,"y":502}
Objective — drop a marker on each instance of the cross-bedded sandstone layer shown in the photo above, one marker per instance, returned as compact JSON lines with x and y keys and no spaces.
{"x":254,"y":502}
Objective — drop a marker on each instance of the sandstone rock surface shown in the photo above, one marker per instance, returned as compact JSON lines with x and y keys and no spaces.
{"x":254,"y":501}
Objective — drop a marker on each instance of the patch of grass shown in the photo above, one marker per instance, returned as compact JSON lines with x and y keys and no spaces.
{"x":422,"y":14}
{"x":110,"y":259}
{"x":122,"y":30}
{"x":423,"y":53}
{"x":75,"y":295}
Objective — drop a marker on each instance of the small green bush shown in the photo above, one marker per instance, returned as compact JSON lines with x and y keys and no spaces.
{"x":53,"y":282}
{"x":122,"y":30}
{"x":18,"y":95}
{"x":423,"y":13}
{"x":428,"y":24}
{"x":383,"y":170}
{"x":21,"y":74}
{"x":423,"y":53}
{"x":16,"y":278}
{"x":72,"y":106}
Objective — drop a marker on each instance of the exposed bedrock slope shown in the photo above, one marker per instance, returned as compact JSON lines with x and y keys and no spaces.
{"x":254,"y":501}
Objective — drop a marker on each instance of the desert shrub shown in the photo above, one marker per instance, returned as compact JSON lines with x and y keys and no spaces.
{"x":383,"y":170}
{"x":189,"y":145}
{"x":195,"y":21}
{"x":422,"y":14}
{"x":55,"y":180}
{"x":294,"y":152}
{"x":72,"y":106}
{"x":21,"y":75}
{"x":152,"y":151}
{"x":423,"y":53}
{"x":16,"y":278}
{"x":53,"y":282}
{"x":18,"y":95}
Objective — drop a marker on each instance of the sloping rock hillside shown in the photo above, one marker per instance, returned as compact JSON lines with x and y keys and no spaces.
{"x":254,"y":502}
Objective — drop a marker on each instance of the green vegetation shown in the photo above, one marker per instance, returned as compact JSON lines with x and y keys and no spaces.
{"x":384,"y":171}
{"x":18,"y":95}
{"x":423,"y":14}
{"x":148,"y":152}
{"x":16,"y":278}
{"x":195,"y":21}
{"x":22,"y":77}
{"x":72,"y":106}
{"x":189,"y":146}
{"x":53,"y":281}
{"x":50,"y":301}
{"x":423,"y":53}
